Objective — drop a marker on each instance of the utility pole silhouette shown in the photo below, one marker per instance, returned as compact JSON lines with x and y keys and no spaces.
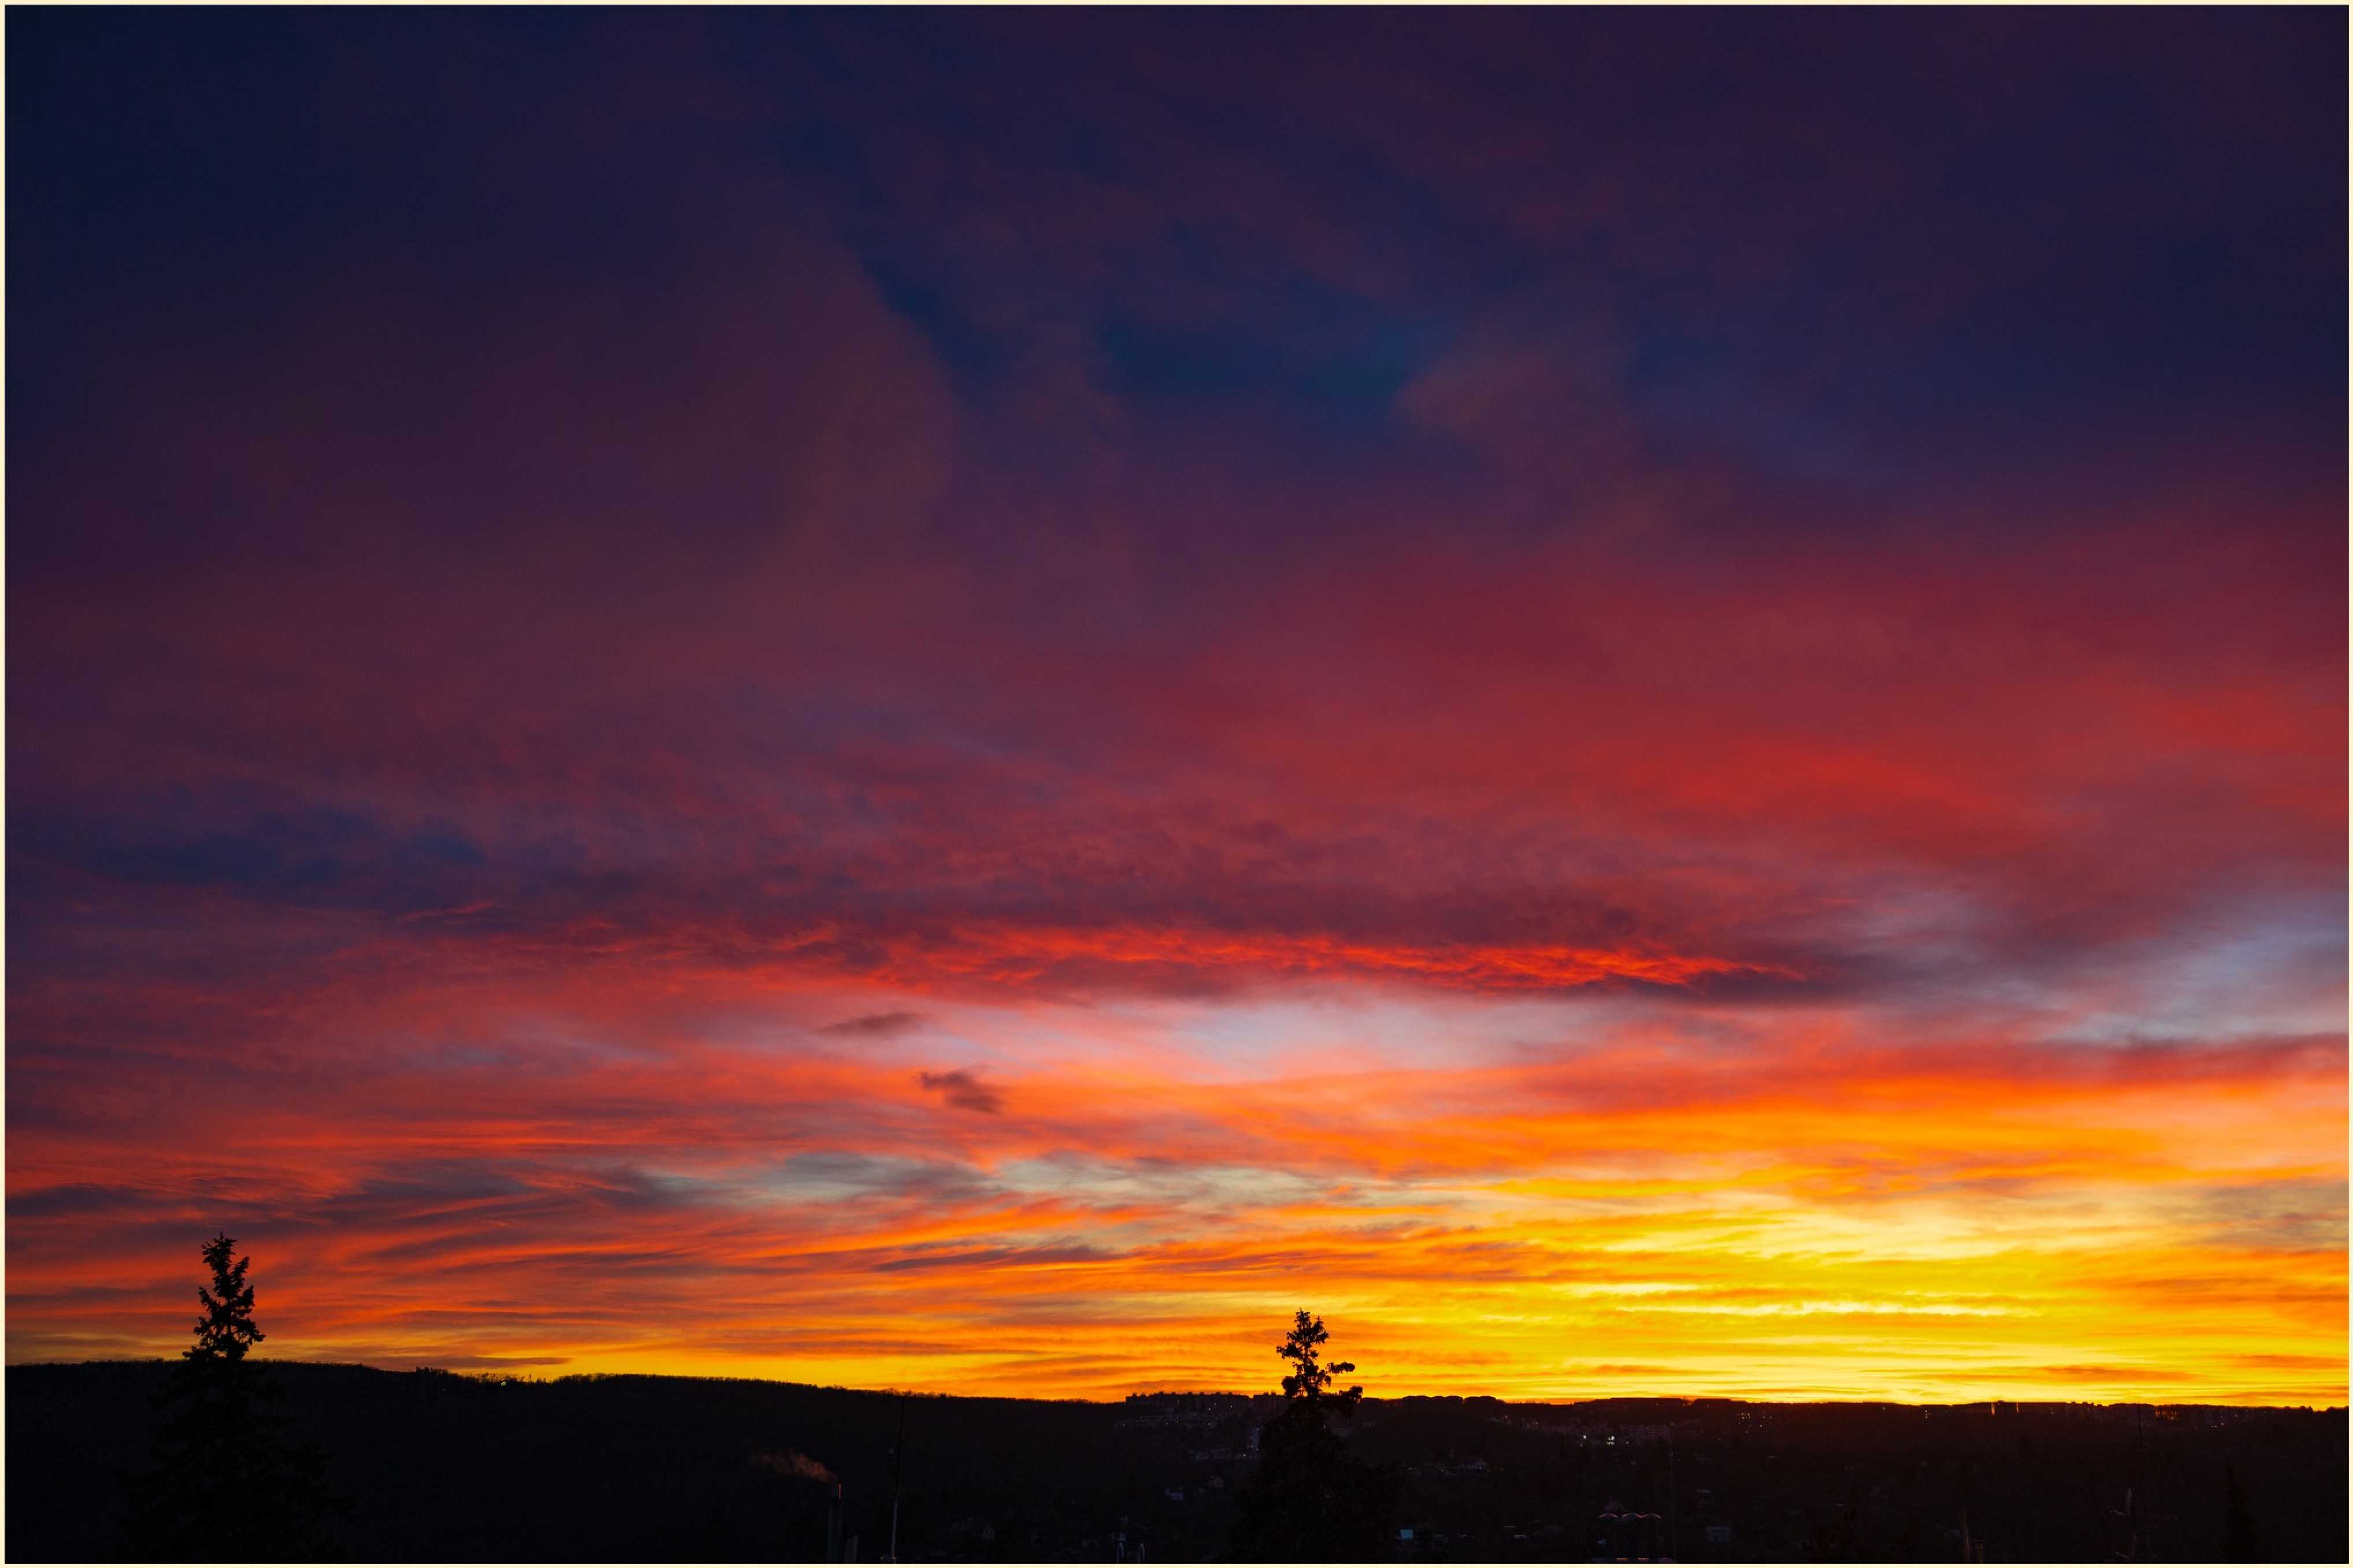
{"x":1671,"y":1496}
{"x":898,"y":1464}
{"x":2130,"y":1550}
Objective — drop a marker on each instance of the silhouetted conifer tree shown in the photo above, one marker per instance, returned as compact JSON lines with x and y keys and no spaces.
{"x":1310,"y":1501}
{"x":225,"y":1484}
{"x":1309,"y":1382}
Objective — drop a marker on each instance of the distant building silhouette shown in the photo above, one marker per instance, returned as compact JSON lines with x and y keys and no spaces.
{"x":1628,"y":1535}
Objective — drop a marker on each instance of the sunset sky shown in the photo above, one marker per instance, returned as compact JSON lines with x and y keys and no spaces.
{"x":1648,"y":702}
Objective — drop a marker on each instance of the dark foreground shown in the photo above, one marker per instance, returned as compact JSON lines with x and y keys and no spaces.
{"x":437,"y":1466}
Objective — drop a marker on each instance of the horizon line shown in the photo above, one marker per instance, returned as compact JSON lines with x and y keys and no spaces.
{"x":544,"y":1375}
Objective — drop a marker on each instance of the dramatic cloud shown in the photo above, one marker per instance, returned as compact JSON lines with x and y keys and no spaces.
{"x":876,"y":1026}
{"x":962,"y":1090}
{"x":1649,"y":702}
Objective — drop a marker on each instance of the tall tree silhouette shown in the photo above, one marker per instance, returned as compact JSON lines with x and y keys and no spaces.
{"x":226,"y":1485}
{"x":1309,"y":1382}
{"x":1311,"y":1501}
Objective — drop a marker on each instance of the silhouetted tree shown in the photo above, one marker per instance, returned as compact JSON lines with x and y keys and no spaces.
{"x":1309,"y":1382}
{"x":2239,"y":1544}
{"x":1310,"y":1501}
{"x":226,"y":1485}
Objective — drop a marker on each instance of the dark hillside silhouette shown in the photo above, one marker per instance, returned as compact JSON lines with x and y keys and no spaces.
{"x":225,"y":1484}
{"x":442,"y":1468}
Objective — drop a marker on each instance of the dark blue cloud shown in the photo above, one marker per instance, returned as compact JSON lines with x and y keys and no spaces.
{"x":312,"y":857}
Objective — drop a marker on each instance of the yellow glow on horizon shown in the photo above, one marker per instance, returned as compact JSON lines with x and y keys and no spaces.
{"x":1871,"y":1226}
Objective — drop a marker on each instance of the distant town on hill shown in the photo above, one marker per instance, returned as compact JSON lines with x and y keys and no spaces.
{"x":430,"y":1466}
